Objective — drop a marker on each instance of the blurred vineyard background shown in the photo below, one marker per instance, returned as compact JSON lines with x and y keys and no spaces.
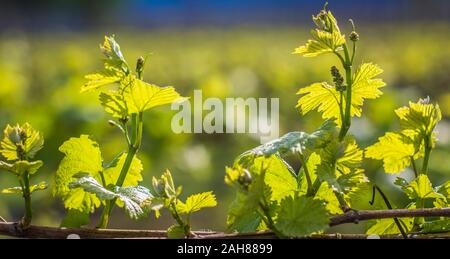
{"x":43,"y":60}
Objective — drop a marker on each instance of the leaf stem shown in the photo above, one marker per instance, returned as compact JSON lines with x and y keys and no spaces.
{"x":310,"y":192}
{"x":426,"y":157}
{"x":268,"y":219}
{"x":27,"y":196}
{"x":348,"y":78}
{"x":186,"y":227}
{"x":136,"y":139}
{"x":413,"y":163}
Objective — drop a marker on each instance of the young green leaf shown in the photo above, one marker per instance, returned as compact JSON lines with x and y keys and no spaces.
{"x":365,"y":86}
{"x":114,"y":104}
{"x":197,"y":202}
{"x":421,"y":117}
{"x":100,"y":79}
{"x":396,"y":150}
{"x":321,"y":96}
{"x":20,"y":167}
{"x":294,"y":142}
{"x":112,"y":52}
{"x":132,"y":197}
{"x":326,"y":98}
{"x":20,"y":142}
{"x":326,"y":39}
{"x":134,"y":176}
{"x":81,"y":155}
{"x":325,"y":193}
{"x":322,"y":42}
{"x":37,"y":187}
{"x":300,"y":216}
{"x":388,"y":226}
{"x":421,"y":188}
{"x":141,"y":96}
{"x":279,"y":180}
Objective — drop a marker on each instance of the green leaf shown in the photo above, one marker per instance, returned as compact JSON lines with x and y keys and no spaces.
{"x":295,"y":142}
{"x":132,"y":197}
{"x":420,"y":117}
{"x":360,"y":198}
{"x":365,"y":86}
{"x":395,"y":149}
{"x":325,"y":193}
{"x":134,"y":175}
{"x":155,"y":204}
{"x":326,"y":99}
{"x":340,"y":164}
{"x":22,"y":166}
{"x":81,"y":155}
{"x":175,"y":232}
{"x":421,"y":188}
{"x":100,"y":79}
{"x":322,"y":42}
{"x":388,"y":226}
{"x":33,"y":188}
{"x":320,"y":96}
{"x":301,"y":216}
{"x":243,"y":214}
{"x":114,"y":104}
{"x":38,"y":187}
{"x":197,"y":202}
{"x":444,"y":189}
{"x":277,"y":177}
{"x":141,"y":96}
{"x":75,"y":219}
{"x":20,"y":141}
{"x":111,"y":49}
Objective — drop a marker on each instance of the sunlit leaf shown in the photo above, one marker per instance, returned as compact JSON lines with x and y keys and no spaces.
{"x":300,"y":216}
{"x":388,"y":226}
{"x":321,"y":96}
{"x":197,"y":202}
{"x":33,"y":188}
{"x":141,"y":96}
{"x":22,"y":166}
{"x":326,"y":99}
{"x":29,"y":140}
{"x":321,"y":42}
{"x":81,"y":155}
{"x":100,"y":79}
{"x":421,"y":117}
{"x":132,"y":197}
{"x":134,"y":175}
{"x":365,"y":86}
{"x":421,"y":188}
{"x":114,"y":104}
{"x":295,"y":142}
{"x":395,"y":149}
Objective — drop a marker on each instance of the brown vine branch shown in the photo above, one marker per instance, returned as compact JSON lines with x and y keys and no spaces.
{"x":15,"y":229}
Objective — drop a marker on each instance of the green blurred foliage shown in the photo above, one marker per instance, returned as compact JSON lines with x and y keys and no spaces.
{"x":41,"y":76}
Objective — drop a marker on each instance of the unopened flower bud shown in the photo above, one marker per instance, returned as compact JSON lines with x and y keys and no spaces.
{"x":245,"y":178}
{"x":354,"y":36}
{"x":337,"y":79}
{"x":425,"y":100}
{"x":140,"y":65}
